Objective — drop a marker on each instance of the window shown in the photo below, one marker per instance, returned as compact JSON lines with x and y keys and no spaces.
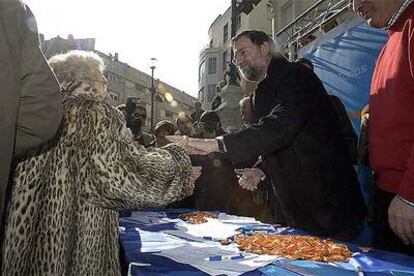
{"x":237,"y":23}
{"x":139,"y":87}
{"x":108,"y":75}
{"x":201,"y":94}
{"x":225,"y":33}
{"x":211,"y":43}
{"x":169,"y":114}
{"x":211,"y":92}
{"x":129,"y":84}
{"x":212,"y":65}
{"x":202,"y":70}
{"x":224,"y":60}
{"x":113,"y":77}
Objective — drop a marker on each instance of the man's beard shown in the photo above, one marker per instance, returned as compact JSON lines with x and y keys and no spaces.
{"x":250,"y":73}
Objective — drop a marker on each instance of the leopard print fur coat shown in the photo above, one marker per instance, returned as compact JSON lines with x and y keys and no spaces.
{"x":63,"y":214}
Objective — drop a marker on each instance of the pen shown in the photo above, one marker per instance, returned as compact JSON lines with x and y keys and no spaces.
{"x":359,"y":272}
{"x":258,"y":162}
{"x":213,"y":258}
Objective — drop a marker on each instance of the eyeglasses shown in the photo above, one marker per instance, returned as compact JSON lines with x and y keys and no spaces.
{"x":240,"y":53}
{"x":183,"y":122}
{"x":140,"y":115}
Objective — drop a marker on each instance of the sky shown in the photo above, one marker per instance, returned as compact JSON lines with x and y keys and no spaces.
{"x":172,"y":31}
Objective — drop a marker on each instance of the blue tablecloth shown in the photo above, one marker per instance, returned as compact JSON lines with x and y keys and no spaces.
{"x":374,"y":262}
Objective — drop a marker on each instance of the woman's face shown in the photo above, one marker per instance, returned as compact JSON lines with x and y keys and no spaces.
{"x":99,"y":83}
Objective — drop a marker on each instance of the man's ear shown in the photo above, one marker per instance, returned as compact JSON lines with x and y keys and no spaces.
{"x":265,"y":48}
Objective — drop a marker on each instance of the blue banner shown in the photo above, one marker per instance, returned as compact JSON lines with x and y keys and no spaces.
{"x":344,"y":59}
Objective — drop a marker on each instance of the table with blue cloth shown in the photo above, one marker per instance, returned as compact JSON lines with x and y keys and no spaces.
{"x":135,"y":234}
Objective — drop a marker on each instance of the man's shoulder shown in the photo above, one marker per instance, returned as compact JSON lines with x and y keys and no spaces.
{"x":290,"y":72}
{"x":295,"y":78}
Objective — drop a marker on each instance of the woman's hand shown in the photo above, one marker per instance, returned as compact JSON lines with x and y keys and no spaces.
{"x":196,"y":146}
{"x":195,"y":173}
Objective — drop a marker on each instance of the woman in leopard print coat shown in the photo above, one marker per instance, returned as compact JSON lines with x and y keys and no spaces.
{"x":63,"y":213}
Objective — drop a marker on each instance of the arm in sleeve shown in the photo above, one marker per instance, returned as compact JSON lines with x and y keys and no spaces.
{"x":40,"y":110}
{"x":121,"y":174}
{"x":346,"y":128}
{"x":297,"y":100}
{"x":406,"y":190}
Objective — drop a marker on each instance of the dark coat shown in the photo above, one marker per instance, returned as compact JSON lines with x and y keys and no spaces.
{"x":345,"y":125}
{"x":298,"y":135}
{"x":217,"y":182}
{"x":196,"y":114}
{"x":30,"y":105}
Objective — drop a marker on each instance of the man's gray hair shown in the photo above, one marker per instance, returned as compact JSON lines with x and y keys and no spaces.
{"x":258,"y":38}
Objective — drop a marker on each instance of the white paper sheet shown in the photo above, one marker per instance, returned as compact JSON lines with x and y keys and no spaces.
{"x":213,"y":228}
{"x":195,"y":256}
{"x":157,"y":241}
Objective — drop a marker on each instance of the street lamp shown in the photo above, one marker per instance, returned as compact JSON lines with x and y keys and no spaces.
{"x":153,"y":62}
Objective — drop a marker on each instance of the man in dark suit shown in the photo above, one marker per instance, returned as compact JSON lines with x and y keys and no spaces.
{"x":30,"y":105}
{"x":296,"y":132}
{"x":136,"y":116}
{"x":196,"y":114}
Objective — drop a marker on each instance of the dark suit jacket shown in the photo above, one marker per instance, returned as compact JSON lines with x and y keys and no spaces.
{"x":345,"y":125}
{"x":30,"y":105}
{"x":298,"y":135}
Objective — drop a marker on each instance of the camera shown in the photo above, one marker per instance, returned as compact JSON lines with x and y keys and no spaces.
{"x":133,"y":123}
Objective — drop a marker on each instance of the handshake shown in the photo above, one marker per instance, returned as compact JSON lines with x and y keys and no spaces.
{"x":195,"y":146}
{"x":249,"y":178}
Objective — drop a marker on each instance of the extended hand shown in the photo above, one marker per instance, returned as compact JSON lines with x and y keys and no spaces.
{"x":195,"y":173}
{"x":401,"y":220}
{"x":196,"y":146}
{"x":249,"y":178}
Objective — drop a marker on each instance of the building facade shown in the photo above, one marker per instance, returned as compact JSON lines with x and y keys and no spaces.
{"x":125,"y":81}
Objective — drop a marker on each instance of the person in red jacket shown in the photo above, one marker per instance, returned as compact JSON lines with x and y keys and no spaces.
{"x":391,"y":129}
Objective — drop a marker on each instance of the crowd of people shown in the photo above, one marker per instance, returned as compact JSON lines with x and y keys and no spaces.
{"x":70,"y":161}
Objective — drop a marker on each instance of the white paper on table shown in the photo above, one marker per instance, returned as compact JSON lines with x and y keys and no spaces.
{"x":149,"y":214}
{"x":143,"y":220}
{"x":157,"y":241}
{"x":225,"y":218}
{"x":213,"y":228}
{"x":195,"y":256}
{"x":147,"y":217}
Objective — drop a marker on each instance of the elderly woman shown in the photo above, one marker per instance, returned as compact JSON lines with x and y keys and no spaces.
{"x":65,"y":198}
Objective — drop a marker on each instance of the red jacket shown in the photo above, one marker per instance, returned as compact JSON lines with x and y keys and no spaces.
{"x":391,"y":118}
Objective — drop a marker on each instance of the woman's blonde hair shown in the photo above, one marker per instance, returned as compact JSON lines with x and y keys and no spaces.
{"x":78,"y":65}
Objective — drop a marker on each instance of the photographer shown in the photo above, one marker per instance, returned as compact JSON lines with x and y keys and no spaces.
{"x":210,"y":123}
{"x":136,"y":116}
